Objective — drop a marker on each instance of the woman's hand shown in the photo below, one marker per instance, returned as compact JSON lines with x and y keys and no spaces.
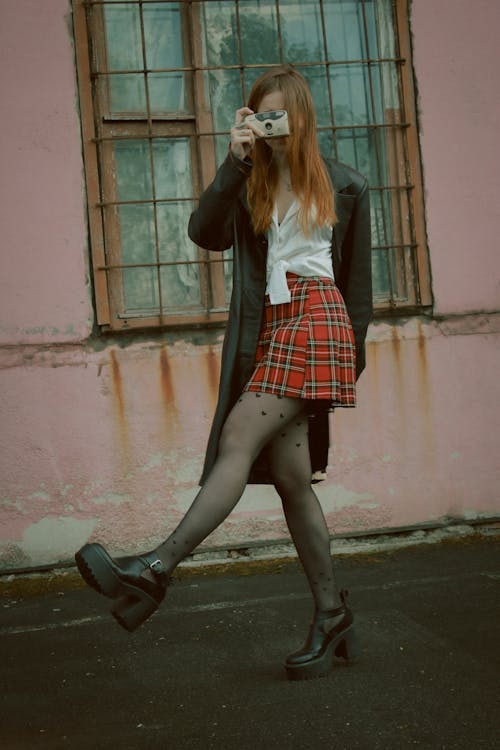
{"x":243,"y":134}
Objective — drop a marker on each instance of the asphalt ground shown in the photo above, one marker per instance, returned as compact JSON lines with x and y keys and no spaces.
{"x":207,"y":670}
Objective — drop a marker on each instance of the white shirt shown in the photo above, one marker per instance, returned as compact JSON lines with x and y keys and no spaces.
{"x":289,"y":249}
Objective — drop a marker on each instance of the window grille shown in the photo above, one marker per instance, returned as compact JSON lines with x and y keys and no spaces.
{"x":159,"y":84}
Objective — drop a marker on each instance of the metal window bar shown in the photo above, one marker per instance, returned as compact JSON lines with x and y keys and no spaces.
{"x":328,"y":78}
{"x":161,"y":263}
{"x":278,"y":29}
{"x":201,"y":134}
{"x":409,"y":203}
{"x":247,"y":66}
{"x":149,"y":201}
{"x":151,"y":164}
{"x":326,"y":64}
{"x":377,"y":150}
{"x":240,"y":51}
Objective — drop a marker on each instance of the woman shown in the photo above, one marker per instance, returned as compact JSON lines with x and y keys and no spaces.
{"x":292,"y":352}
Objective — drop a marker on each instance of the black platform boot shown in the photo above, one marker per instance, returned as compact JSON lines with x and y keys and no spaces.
{"x":316,"y":657}
{"x":122,"y":579}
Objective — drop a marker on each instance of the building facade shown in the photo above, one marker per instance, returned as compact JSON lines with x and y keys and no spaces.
{"x":116,"y":116}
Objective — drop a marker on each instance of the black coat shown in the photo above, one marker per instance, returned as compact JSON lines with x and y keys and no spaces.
{"x":222,"y":220}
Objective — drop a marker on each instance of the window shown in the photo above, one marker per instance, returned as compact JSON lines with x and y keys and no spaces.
{"x":159,"y":84}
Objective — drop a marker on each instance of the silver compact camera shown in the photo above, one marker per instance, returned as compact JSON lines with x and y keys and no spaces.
{"x":274,"y":124}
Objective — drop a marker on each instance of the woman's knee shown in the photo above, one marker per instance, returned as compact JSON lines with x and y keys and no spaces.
{"x":236,"y":442}
{"x":231,"y":439}
{"x":290,"y":482}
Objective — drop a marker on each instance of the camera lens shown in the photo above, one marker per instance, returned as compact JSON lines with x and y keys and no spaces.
{"x":269,"y":126}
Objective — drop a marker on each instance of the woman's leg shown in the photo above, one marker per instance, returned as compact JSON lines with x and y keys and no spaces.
{"x":291,"y":470}
{"x":251,"y":424}
{"x":331,"y":632}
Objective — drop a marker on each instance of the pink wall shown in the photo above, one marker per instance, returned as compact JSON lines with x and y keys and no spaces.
{"x":106,"y":441}
{"x":107,"y":444}
{"x":44,"y":296}
{"x":456,"y":65}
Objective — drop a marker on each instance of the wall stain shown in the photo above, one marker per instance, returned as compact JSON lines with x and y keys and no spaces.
{"x":371,"y":381}
{"x":396,"y":347}
{"x":372,"y":365}
{"x":117,"y":384}
{"x":423,"y":367}
{"x":425,"y":396}
{"x":212,"y":362}
{"x":168,"y":391}
{"x":399,"y":374}
{"x":119,"y":400}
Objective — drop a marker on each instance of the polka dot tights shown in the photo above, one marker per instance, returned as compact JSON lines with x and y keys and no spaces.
{"x":258,"y":421}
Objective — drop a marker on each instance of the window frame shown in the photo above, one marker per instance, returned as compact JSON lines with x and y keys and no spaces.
{"x":407,"y":197}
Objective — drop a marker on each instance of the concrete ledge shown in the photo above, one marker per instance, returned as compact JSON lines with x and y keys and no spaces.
{"x":261,"y":558}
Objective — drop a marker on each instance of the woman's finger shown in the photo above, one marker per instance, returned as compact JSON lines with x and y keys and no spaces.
{"x":242,"y":140}
{"x":256,"y":129}
{"x":241,"y":114}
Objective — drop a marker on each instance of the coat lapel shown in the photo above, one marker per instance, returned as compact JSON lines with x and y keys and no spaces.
{"x":344,"y":204}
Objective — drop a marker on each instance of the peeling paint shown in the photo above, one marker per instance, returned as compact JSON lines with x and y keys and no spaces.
{"x":38,"y":541}
{"x":35,"y":331}
{"x":183,"y":470}
{"x":336,"y":496}
{"x":39,"y":495}
{"x":112,"y":498}
{"x":153,"y":462}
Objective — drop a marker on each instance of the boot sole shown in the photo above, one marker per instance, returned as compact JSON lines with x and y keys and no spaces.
{"x":133,"y":605}
{"x":344,"y":646}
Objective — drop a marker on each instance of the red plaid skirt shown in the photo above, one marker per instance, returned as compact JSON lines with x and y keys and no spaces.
{"x":306,"y":346}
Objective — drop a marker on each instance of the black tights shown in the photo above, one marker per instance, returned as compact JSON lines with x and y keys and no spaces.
{"x":258,"y":420}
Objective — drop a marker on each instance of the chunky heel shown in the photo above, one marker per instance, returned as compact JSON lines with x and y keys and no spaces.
{"x":130,"y":612}
{"x":348,"y":647}
{"x":323,"y":644}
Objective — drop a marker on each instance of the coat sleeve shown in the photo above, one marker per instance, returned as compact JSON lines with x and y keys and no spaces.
{"x":211,"y":224}
{"x":356,"y":273}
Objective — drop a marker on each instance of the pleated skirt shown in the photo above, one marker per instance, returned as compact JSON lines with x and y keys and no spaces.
{"x":306,"y":346}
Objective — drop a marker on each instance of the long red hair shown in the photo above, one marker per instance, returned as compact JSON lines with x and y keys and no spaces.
{"x":309,"y":178}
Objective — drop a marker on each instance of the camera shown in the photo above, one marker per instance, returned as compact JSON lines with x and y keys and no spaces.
{"x":275,"y":123}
